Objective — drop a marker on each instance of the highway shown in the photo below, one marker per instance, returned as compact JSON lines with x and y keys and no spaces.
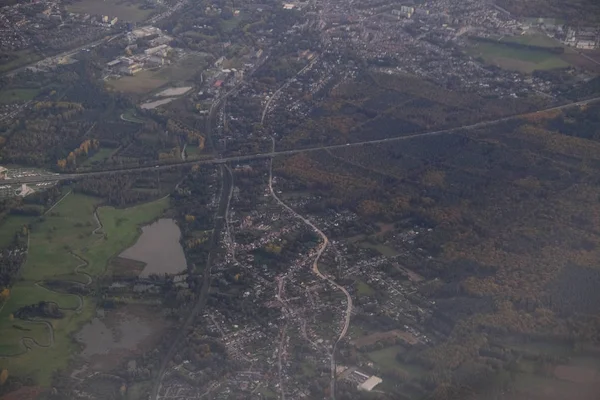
{"x":271,"y":154}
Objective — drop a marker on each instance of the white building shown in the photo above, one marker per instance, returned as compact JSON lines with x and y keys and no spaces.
{"x":370,"y":383}
{"x":163,"y":48}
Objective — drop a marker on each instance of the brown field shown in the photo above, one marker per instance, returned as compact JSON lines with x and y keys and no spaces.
{"x":576,"y":374}
{"x":368,"y":340}
{"x":124,"y":268}
{"x":24,"y":393}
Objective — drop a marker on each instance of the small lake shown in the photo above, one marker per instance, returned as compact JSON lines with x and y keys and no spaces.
{"x":100,"y":339}
{"x":159,"y":249}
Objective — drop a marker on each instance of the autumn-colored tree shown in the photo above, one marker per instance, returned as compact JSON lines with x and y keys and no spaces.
{"x":3,"y":376}
{"x":71,"y":158}
{"x":4,"y":294}
{"x":62,"y":164}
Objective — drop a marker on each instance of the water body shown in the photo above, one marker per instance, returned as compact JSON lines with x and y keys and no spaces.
{"x":99,"y":339}
{"x":159,"y":249}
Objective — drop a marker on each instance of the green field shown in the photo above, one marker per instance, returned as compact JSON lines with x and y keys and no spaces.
{"x":363,"y":289}
{"x":124,"y":10}
{"x":14,"y":95}
{"x":99,"y":156}
{"x":533,"y":40}
{"x":23,"y":57}
{"x":385,"y":359}
{"x":11,"y":225}
{"x":523,"y":60}
{"x":68,"y":228}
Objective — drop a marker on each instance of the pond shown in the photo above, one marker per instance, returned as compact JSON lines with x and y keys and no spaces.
{"x":159,"y":249}
{"x":116,"y":335}
{"x":98,"y":338}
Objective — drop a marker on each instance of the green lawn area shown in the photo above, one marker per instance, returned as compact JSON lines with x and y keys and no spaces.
{"x":100,"y":156}
{"x":124,"y":10}
{"x":11,"y":343}
{"x":363,"y":289}
{"x":386,"y":360}
{"x":533,"y":40}
{"x":69,"y":227}
{"x":194,"y":152}
{"x":23,"y":57}
{"x":14,"y":95}
{"x":523,"y":60}
{"x":11,"y":225}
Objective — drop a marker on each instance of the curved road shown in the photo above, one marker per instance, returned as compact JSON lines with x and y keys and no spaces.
{"x":315,"y":270}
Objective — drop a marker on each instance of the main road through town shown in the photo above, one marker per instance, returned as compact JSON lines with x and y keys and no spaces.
{"x":256,"y":156}
{"x":317,"y":272}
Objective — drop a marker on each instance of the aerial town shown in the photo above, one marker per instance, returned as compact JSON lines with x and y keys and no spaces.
{"x":297,"y":200}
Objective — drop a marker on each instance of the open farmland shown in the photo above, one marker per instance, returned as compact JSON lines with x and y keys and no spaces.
{"x":57,"y":261}
{"x":522,"y":60}
{"x":122,"y":9}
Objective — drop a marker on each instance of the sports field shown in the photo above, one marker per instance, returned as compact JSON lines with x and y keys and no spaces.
{"x":66,"y":246}
{"x":125,"y":10}
{"x":516,"y":59}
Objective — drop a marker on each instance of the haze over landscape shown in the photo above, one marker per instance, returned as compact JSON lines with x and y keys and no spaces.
{"x":322,"y":199}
